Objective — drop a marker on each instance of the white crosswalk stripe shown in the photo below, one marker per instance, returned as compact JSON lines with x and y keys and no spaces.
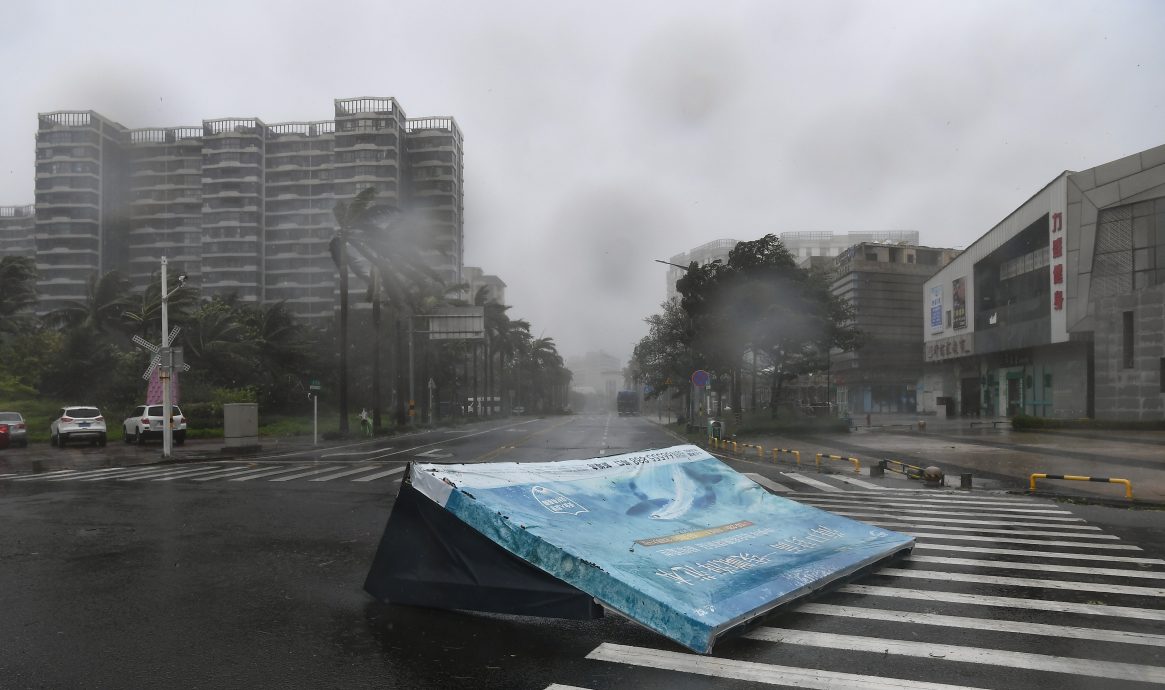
{"x":45,"y":475}
{"x":767,"y":483}
{"x":858,"y":482}
{"x":268,"y":473}
{"x":337,"y":475}
{"x":796,"y":476}
{"x":378,"y":475}
{"x":952,"y":592}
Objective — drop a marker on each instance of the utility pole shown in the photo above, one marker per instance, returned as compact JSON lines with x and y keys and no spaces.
{"x":167,"y":363}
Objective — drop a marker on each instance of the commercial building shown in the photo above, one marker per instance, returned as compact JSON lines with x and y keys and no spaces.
{"x":1059,"y":310}
{"x":242,"y":207}
{"x":491,"y":287}
{"x":17,"y":228}
{"x":805,"y":244}
{"x":716,"y":250}
{"x":883,"y":283}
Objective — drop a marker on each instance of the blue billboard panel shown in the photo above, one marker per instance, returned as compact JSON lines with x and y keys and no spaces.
{"x":672,"y":538}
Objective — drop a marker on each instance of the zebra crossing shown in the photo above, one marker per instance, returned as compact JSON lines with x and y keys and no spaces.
{"x":226,"y":472}
{"x":372,"y":471}
{"x":1061,"y":605}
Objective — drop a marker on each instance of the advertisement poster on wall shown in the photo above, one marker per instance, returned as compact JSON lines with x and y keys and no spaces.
{"x":936,"y":309}
{"x":959,"y":303}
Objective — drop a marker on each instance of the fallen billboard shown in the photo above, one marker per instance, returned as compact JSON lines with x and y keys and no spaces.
{"x":671,"y":538}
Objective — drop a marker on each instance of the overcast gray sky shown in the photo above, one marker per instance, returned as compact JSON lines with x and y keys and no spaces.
{"x":602,"y":135}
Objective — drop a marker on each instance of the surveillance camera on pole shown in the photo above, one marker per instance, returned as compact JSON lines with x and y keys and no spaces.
{"x":167,"y":364}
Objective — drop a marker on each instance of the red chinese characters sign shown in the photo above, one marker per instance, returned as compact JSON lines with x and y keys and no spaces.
{"x":1058,"y":257}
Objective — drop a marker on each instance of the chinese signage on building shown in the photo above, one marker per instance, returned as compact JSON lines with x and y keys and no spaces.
{"x":959,"y":303}
{"x":950,"y":348}
{"x":936,"y":309}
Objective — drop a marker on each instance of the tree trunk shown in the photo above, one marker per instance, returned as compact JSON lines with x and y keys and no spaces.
{"x":375,"y":358}
{"x":343,"y":335}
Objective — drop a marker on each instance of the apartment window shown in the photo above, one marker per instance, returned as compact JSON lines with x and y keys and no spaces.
{"x":1127,"y":340}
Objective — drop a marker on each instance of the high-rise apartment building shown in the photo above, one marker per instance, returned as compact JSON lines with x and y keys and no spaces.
{"x":805,"y":244}
{"x":17,"y":225}
{"x":242,"y":207}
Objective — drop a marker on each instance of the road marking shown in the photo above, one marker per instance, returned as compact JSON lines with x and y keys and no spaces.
{"x":85,"y":473}
{"x":304,"y":474}
{"x":965,"y":623}
{"x":929,"y":546}
{"x":942,"y":498}
{"x":991,"y":523}
{"x":164,"y":473}
{"x":345,"y":473}
{"x":42,"y":475}
{"x":232,"y":472}
{"x":559,"y":686}
{"x":752,"y":671}
{"x":1006,"y":602}
{"x":268,"y":473}
{"x":120,"y":472}
{"x":767,"y":483}
{"x":1113,"y":670}
{"x":1022,"y":582}
{"x":378,"y":475}
{"x":858,"y":482}
{"x":363,"y":452}
{"x":985,"y":530}
{"x":866,"y":500}
{"x":1003,"y":540}
{"x":812,"y":482}
{"x":206,"y":470}
{"x":842,"y":503}
{"x":1041,"y":567}
{"x":434,"y":454}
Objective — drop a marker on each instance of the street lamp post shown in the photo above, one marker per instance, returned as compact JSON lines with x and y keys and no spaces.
{"x":167,"y":364}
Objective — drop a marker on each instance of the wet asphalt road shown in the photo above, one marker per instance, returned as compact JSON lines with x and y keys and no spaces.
{"x":195,"y":576}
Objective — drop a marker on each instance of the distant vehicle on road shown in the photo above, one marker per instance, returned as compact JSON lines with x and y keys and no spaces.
{"x":146,"y":422}
{"x":17,"y":429}
{"x":77,"y":422}
{"x":627,"y":402}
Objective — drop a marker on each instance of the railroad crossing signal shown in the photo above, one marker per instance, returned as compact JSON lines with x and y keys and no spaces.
{"x":159,"y":352}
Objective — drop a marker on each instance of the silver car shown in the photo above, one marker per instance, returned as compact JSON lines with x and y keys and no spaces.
{"x":17,"y":429}
{"x":78,"y":422}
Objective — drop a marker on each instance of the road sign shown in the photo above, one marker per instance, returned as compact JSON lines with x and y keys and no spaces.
{"x":314,"y":385}
{"x":647,"y":389}
{"x":701,"y":377}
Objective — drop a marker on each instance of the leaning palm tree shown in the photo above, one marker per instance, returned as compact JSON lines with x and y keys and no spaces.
{"x":390,"y":245}
{"x":17,"y":290}
{"x":102,"y":309}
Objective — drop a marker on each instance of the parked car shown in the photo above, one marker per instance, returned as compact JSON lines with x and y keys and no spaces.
{"x":146,"y":422}
{"x":17,"y":429}
{"x":77,"y":422}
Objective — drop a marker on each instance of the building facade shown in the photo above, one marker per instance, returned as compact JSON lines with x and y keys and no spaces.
{"x":492,"y":288}
{"x":805,"y":244}
{"x":716,"y":250}
{"x":883,"y":283}
{"x":242,"y":207}
{"x":18,"y":231}
{"x":1059,"y":310}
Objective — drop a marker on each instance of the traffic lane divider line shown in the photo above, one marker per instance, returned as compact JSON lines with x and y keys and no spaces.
{"x":513,"y":443}
{"x":1131,"y":612}
{"x":931,"y":546}
{"x":990,"y":624}
{"x":755,"y":672}
{"x":944,"y":576}
{"x":1112,"y":670}
{"x":1040,"y":567}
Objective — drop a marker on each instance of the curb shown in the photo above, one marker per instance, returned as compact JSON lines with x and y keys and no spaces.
{"x":1135,"y":504}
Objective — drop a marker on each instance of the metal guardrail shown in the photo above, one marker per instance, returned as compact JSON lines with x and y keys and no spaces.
{"x":911,"y":471}
{"x":1110,"y":480}
{"x":857,"y":463}
{"x":789,"y":451}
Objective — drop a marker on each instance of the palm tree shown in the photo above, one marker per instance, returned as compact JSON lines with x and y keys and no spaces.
{"x":390,"y":243}
{"x":17,"y":289}
{"x":106,"y":299}
{"x":143,"y":314}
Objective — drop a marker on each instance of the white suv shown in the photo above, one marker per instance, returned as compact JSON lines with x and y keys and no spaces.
{"x":77,"y":422}
{"x":146,"y":422}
